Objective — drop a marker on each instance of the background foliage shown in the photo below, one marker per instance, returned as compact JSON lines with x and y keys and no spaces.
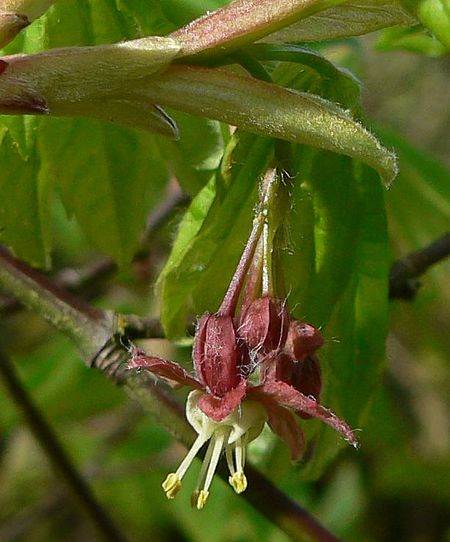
{"x":85,"y":191}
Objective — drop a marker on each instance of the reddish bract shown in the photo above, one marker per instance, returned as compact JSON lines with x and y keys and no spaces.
{"x":302,"y":340}
{"x":217,"y":355}
{"x":264,"y":324}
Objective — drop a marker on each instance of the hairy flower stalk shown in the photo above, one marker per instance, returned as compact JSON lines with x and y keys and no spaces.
{"x":225,"y":408}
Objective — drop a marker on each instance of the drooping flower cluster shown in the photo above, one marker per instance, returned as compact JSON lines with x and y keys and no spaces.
{"x":258,"y":367}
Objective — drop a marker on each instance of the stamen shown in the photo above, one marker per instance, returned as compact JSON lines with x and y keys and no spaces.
{"x":240,"y":453}
{"x":202,"y":474}
{"x":171,"y":485}
{"x":199,"y":441}
{"x":202,"y":498}
{"x":219,"y":439}
{"x":229,"y":456}
{"x":239,"y":480}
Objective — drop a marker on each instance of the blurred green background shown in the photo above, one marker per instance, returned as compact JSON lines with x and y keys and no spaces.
{"x":395,"y":488}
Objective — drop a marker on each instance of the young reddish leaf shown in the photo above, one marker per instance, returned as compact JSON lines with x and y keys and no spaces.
{"x":88,"y":81}
{"x":15,"y":15}
{"x":345,"y":20}
{"x":10,"y":25}
{"x":242,"y":22}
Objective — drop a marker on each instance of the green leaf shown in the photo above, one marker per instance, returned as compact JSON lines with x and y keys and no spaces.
{"x":415,"y":40}
{"x":344,"y":291}
{"x":196,"y":154}
{"x":435,"y":15}
{"x":109,"y":178}
{"x":270,"y":110}
{"x":111,"y":189}
{"x":181,"y":12}
{"x":338,"y":85}
{"x":345,"y":20}
{"x":336,"y":268}
{"x":422,"y":190}
{"x":23,"y":195}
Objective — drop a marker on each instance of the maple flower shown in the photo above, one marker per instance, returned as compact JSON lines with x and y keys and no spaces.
{"x":225,"y":407}
{"x":227,"y":410}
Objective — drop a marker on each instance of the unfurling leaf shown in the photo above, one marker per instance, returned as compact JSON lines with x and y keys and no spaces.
{"x":242,"y":22}
{"x":415,"y":40}
{"x":345,"y":20}
{"x":270,"y":110}
{"x":87,"y":81}
{"x":435,"y":15}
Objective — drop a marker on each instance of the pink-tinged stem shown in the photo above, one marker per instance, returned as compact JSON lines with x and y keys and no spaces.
{"x":229,"y":303}
{"x":254,"y":278}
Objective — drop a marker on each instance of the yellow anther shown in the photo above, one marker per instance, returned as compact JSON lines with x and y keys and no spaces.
{"x":238,"y":481}
{"x":172,"y":485}
{"x":202,"y":497}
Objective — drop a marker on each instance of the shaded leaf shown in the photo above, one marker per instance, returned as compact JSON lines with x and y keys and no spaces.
{"x":336,"y":267}
{"x":345,"y":20}
{"x":415,"y":40}
{"x":23,"y":195}
{"x":422,"y":191}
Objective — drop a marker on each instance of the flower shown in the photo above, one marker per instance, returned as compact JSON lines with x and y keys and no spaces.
{"x":264,"y":325}
{"x":226,"y":408}
{"x":229,"y":411}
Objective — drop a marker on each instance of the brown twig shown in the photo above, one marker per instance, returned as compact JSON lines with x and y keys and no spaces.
{"x":403,"y":278}
{"x":111,"y":358}
{"x":54,"y":450}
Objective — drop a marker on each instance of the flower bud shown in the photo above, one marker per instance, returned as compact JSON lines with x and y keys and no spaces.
{"x":302,"y":340}
{"x":217,"y":355}
{"x":304,"y":376}
{"x":264,"y":325}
